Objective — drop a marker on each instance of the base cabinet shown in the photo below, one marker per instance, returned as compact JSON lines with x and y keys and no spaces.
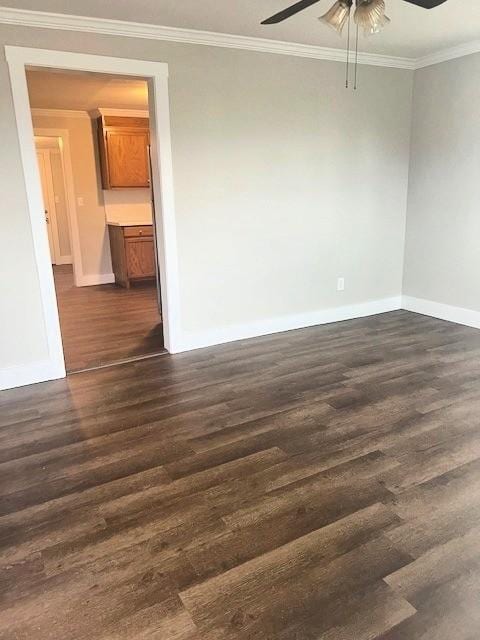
{"x":133,"y":253}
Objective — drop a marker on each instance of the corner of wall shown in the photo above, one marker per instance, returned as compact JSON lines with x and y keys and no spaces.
{"x":407,"y":198}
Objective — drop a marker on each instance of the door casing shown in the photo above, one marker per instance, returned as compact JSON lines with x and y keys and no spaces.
{"x":156,"y":74}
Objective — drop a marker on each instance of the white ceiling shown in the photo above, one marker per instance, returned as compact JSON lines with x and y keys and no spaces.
{"x":414,"y":32}
{"x":84,"y":91}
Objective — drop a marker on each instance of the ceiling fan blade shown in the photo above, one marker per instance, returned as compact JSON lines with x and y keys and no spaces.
{"x":427,"y":4}
{"x":290,"y":11}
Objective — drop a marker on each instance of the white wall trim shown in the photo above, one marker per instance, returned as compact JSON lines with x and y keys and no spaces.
{"x":46,"y":370}
{"x":448,"y":54}
{"x":18,"y":58}
{"x":68,"y":22}
{"x":55,"y":367}
{"x":459,"y":315}
{"x":90,"y":279}
{"x":23,"y":374}
{"x":71,"y":60}
{"x":59,"y":113}
{"x":287,"y":323}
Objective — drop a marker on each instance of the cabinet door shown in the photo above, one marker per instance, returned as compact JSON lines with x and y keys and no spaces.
{"x":127,"y":158}
{"x":140,"y":257}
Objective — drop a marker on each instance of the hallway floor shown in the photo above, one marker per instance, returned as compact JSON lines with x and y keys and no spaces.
{"x":105,"y":324}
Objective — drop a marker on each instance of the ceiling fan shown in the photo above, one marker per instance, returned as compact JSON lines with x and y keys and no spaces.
{"x":304,"y":4}
{"x":368,"y":15}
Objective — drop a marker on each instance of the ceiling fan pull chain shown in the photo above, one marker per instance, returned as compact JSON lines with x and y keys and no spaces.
{"x":356,"y":60}
{"x":348,"y":49}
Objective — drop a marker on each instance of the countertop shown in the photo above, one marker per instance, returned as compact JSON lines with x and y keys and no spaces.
{"x":127,"y":223}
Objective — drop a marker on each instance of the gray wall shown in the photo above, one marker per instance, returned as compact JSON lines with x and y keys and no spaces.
{"x":442,"y":256}
{"x":283,"y":182}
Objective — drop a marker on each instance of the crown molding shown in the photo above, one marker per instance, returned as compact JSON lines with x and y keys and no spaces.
{"x":67,"y":22}
{"x":448,"y":54}
{"x":59,"y":113}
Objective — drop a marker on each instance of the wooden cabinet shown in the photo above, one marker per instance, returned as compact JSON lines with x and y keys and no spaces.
{"x":133,"y":253}
{"x":123,"y":147}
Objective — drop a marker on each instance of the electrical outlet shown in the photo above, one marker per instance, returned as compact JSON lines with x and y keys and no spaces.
{"x":80,"y":201}
{"x":340,"y":284}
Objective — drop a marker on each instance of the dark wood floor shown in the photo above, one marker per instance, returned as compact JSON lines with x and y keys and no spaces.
{"x":104,"y":324}
{"x":317,"y":484}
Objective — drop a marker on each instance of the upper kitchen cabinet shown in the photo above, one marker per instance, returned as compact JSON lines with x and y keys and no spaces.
{"x":123,"y":144}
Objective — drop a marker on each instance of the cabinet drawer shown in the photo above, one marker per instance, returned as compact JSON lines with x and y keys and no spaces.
{"x":138,"y":232}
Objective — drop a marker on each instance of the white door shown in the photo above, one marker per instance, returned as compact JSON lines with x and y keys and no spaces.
{"x":47,"y":204}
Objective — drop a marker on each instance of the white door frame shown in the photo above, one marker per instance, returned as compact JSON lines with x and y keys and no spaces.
{"x":65,"y":154}
{"x":49,"y":205}
{"x":156,"y":73}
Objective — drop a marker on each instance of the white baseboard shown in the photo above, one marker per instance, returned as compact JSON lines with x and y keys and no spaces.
{"x":95,"y":278}
{"x":23,"y":374}
{"x":20,"y":375}
{"x":64,"y":260}
{"x":190,"y":341}
{"x":459,"y":315}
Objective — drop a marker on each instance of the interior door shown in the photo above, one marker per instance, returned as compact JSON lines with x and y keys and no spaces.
{"x":44,"y":179}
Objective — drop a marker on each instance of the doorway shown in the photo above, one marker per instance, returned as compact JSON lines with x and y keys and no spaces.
{"x":109,"y":313}
{"x":163,"y":224}
{"x":52,"y":178}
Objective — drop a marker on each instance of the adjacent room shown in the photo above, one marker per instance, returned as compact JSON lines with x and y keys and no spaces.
{"x":92,"y":143}
{"x":240,"y":320}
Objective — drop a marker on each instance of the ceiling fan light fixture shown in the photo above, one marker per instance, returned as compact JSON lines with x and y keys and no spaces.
{"x":370,"y":16}
{"x":337,"y":17}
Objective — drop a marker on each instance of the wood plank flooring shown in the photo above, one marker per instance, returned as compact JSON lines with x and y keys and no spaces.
{"x":105,"y":324}
{"x":321,"y":484}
